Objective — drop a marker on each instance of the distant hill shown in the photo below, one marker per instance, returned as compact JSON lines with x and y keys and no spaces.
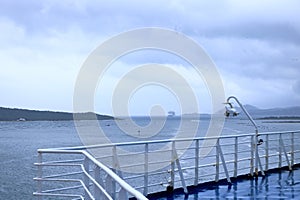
{"x":272,"y":112}
{"x":14,"y":114}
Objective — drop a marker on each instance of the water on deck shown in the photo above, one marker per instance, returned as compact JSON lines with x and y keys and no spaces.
{"x":277,"y":184}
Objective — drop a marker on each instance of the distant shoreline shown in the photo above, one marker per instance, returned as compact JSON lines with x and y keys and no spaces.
{"x":15,"y":114}
{"x":280,"y":118}
{"x":283,"y":122}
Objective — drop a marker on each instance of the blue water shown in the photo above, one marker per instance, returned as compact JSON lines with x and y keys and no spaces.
{"x":19,"y":142}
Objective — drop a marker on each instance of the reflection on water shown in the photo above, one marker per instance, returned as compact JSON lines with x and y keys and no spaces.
{"x":276,"y":185}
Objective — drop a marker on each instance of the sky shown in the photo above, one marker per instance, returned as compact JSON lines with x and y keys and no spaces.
{"x":255,"y":46}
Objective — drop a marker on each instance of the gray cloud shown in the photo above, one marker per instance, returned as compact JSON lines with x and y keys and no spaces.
{"x":252,"y":43}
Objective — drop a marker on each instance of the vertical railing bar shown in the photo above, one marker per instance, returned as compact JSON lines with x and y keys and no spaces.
{"x":172,"y":173}
{"x":146,"y":169}
{"x":235,"y":157}
{"x":116,"y":163}
{"x":257,"y":159}
{"x":267,"y":153}
{"x":40,"y":174}
{"x":217,"y":162}
{"x":252,"y":155}
{"x":172,"y":166}
{"x":280,"y":152}
{"x":196,"y":162}
{"x":115,"y":169}
{"x":292,"y":150}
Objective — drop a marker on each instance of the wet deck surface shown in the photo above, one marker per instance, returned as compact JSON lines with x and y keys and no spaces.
{"x":278,"y":184}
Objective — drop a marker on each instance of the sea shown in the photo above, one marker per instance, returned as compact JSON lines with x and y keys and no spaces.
{"x":19,"y":142}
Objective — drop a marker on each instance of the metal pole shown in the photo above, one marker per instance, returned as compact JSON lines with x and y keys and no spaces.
{"x":292,"y":150}
{"x":235,"y":157}
{"x":40,"y":175}
{"x":115,"y":169}
{"x":217,"y":162}
{"x":256,"y":153}
{"x":256,"y":131}
{"x":245,"y":111}
{"x":267,"y":153}
{"x":172,"y":166}
{"x":280,"y":152}
{"x":146,"y":169}
{"x":252,"y":156}
{"x":196,"y":162}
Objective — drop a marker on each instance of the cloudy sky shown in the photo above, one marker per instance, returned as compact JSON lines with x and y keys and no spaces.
{"x":255,"y":46}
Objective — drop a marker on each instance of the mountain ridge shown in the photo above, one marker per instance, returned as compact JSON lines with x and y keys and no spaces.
{"x":272,"y":112}
{"x":17,"y":114}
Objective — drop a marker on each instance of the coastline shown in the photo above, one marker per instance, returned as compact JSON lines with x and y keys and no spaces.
{"x":15,"y":114}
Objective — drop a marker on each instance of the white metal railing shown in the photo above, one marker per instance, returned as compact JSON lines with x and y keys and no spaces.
{"x":114,"y":175}
{"x":100,"y":190}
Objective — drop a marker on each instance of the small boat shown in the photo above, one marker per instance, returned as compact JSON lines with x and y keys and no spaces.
{"x":171,"y":114}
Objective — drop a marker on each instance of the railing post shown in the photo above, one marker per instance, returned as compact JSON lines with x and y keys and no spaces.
{"x":235,"y":157}
{"x":40,"y":175}
{"x":292,"y":150}
{"x":217,"y":162}
{"x":256,"y":153}
{"x":172,"y":166}
{"x":115,"y":169}
{"x":257,"y":158}
{"x":86,"y":180}
{"x":280,"y":152}
{"x":267,"y":153}
{"x":146,"y":169}
{"x":196,"y":162}
{"x":116,"y":164}
{"x":252,"y":155}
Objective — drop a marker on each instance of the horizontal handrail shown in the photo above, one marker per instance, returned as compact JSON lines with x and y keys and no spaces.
{"x":168,"y":140}
{"x":232,"y":154}
{"x":48,"y":193}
